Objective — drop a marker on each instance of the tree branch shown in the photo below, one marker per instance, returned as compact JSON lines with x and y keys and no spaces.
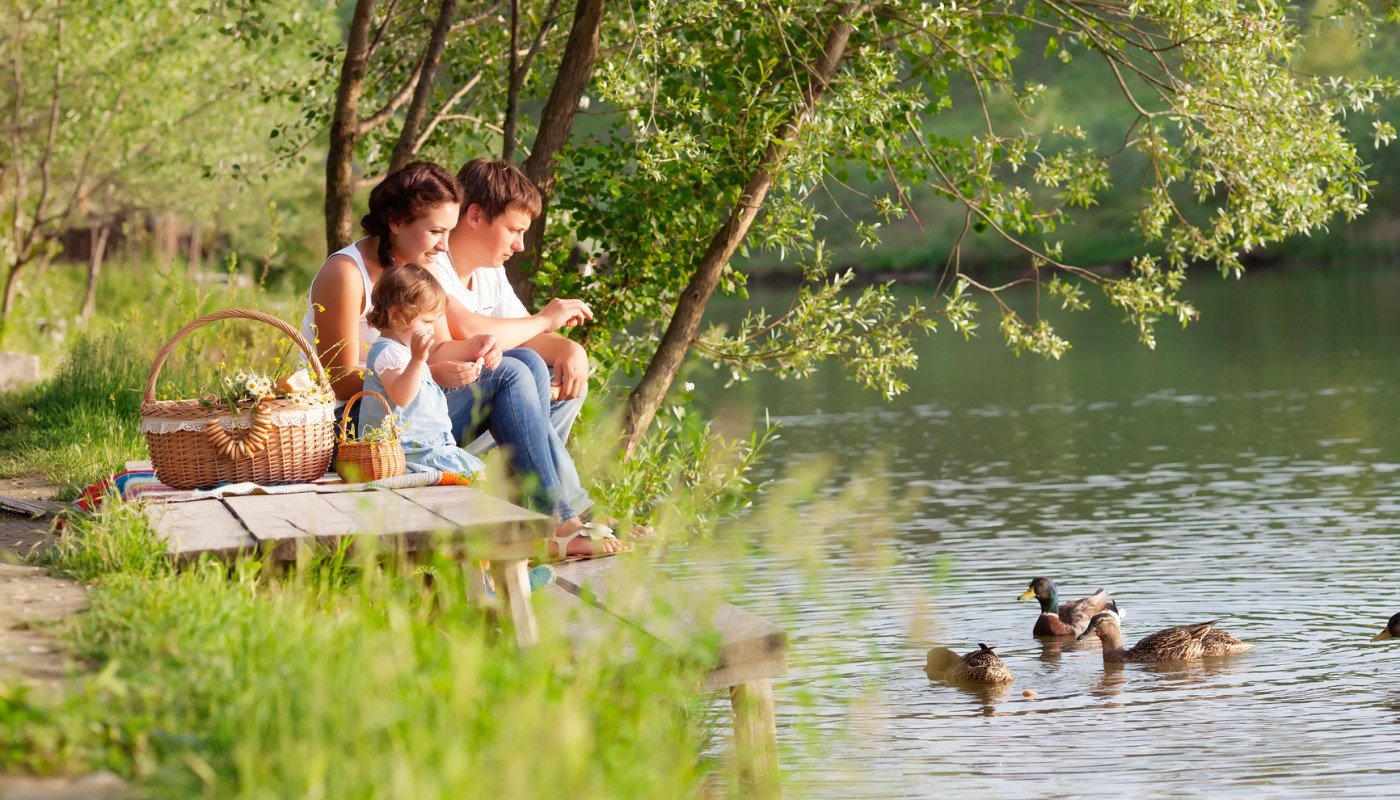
{"x":427,"y":69}
{"x":442,"y":114}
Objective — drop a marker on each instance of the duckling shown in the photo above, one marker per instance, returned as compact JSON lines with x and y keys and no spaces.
{"x":1182,"y":643}
{"x":1392,"y":630}
{"x":979,"y":666}
{"x":1068,"y":619}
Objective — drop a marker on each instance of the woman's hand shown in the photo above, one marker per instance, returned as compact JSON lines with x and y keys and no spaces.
{"x":486,"y":350}
{"x":562,"y":313}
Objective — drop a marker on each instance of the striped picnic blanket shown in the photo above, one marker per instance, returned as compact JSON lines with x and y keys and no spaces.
{"x":139,"y":482}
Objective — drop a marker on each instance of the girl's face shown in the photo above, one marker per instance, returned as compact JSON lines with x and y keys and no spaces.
{"x":419,"y":241}
{"x":405,"y":327}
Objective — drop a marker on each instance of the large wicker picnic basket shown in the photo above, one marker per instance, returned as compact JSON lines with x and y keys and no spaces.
{"x":361,"y":461}
{"x":195,"y":444}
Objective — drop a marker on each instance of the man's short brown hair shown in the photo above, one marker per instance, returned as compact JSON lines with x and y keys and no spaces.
{"x":498,"y":186}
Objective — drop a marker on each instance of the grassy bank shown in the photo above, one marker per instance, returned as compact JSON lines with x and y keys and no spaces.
{"x":347,"y":679}
{"x":344,"y":680}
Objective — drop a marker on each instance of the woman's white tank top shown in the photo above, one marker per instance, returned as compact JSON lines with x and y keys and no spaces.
{"x":368,"y":334}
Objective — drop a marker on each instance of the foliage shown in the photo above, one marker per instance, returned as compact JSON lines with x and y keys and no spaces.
{"x":111,"y":113}
{"x":1237,"y":149}
{"x":689,"y":475}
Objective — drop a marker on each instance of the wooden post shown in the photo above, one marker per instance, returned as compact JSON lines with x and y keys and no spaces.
{"x":755,"y":738}
{"x":513,"y":589}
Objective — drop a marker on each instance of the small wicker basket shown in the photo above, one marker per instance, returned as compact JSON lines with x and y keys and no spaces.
{"x":362,"y":462}
{"x":196,"y":446}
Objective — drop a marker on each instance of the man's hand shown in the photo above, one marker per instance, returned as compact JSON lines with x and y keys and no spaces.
{"x":560,"y":313}
{"x":571,"y":372}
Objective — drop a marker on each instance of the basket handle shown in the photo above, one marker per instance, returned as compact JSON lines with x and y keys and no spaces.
{"x":345,"y":414}
{"x":230,"y":313}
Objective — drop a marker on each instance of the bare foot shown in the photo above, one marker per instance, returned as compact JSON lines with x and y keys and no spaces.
{"x":590,"y":541}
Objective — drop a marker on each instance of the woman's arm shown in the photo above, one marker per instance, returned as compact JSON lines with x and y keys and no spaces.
{"x":453,"y":362}
{"x":337,"y":295}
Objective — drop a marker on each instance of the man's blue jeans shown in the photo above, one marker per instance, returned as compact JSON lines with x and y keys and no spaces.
{"x":512,"y":401}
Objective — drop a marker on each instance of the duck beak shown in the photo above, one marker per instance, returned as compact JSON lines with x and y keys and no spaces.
{"x":1084,"y":635}
{"x":1028,"y":594}
{"x":1385,"y":634}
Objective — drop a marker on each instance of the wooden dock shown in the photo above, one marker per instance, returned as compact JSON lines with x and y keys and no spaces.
{"x":289,"y":528}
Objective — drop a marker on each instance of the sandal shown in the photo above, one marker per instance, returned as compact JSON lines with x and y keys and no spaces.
{"x":594,"y":531}
{"x":635,"y":531}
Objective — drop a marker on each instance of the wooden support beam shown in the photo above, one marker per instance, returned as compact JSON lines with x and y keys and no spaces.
{"x":756,"y":739}
{"x":513,"y":589}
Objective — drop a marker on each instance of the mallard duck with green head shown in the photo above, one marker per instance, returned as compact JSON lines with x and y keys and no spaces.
{"x":980,"y":666}
{"x":1392,"y":630}
{"x":1063,"y":619}
{"x":1182,"y":643}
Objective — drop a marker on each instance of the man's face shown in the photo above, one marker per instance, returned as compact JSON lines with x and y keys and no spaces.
{"x":506,"y":234}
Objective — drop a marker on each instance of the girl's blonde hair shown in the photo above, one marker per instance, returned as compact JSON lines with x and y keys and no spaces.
{"x":408,"y":288}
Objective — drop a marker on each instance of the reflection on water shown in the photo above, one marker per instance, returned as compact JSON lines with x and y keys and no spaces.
{"x":1248,"y":470}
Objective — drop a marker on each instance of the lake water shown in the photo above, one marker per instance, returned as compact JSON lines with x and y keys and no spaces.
{"x":1247,"y":470}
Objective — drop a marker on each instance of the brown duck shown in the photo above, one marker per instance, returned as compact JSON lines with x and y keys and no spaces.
{"x":979,"y":666}
{"x":1064,"y":619}
{"x":1392,"y":630}
{"x":1182,"y":643}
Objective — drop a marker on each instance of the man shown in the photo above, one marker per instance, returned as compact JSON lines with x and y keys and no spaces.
{"x":500,"y":204}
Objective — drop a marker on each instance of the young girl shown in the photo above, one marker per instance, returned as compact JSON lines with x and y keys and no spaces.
{"x":405,"y":306}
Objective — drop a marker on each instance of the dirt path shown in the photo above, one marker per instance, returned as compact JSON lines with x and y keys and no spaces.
{"x":33,"y":605}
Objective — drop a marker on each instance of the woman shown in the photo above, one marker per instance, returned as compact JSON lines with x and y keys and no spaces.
{"x":410,"y":215}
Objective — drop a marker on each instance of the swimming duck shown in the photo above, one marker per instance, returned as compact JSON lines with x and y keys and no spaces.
{"x":979,"y":666}
{"x":1182,"y":643}
{"x":1067,"y":619}
{"x":1392,"y":630}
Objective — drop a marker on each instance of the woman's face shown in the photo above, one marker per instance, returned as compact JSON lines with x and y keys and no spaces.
{"x":419,"y":241}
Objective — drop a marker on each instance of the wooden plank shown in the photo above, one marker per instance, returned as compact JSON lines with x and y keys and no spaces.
{"x":201,"y":526}
{"x":474,"y":511}
{"x":750,"y":647}
{"x":284,"y":523}
{"x":583,"y":624}
{"x":18,"y":506}
{"x":398,"y":521}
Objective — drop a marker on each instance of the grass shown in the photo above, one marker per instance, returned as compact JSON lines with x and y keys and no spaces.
{"x":344,"y":679}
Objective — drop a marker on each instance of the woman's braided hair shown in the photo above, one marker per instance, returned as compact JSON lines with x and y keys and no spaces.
{"x":404,"y":196}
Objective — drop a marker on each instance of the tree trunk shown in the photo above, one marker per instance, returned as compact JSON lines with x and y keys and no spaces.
{"x":99,"y":251}
{"x":11,"y":290}
{"x":345,"y":124}
{"x":514,"y":78}
{"x":195,"y":262}
{"x":406,"y":148}
{"x":646,"y":397}
{"x":556,"y":122}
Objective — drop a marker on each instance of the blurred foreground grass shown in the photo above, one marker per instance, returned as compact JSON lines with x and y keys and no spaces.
{"x":348,"y":679}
